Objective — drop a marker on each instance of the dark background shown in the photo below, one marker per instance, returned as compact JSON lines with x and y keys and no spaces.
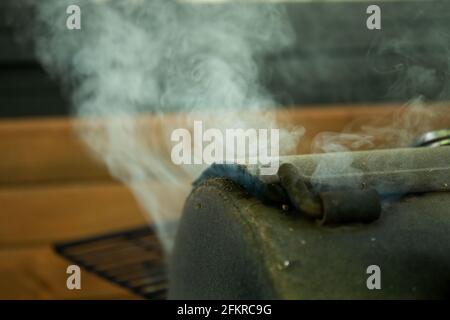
{"x":336,"y":59}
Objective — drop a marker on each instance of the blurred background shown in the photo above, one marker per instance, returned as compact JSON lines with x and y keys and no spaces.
{"x":335,"y":58}
{"x":53,"y":190}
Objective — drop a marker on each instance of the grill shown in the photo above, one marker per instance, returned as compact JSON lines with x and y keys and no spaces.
{"x":132,"y":259}
{"x":303,"y":235}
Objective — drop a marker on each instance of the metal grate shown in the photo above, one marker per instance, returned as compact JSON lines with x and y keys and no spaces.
{"x":132,"y":259}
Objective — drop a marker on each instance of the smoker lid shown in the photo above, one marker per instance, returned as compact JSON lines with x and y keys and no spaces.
{"x":230,"y":245}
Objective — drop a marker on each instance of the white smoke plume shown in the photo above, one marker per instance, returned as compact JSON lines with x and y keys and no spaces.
{"x":140,"y":68}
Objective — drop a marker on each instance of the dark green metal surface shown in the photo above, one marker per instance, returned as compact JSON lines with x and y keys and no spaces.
{"x":230,"y":245}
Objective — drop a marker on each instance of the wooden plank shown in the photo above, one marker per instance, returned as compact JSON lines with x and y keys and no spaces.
{"x":48,"y":150}
{"x":45,"y":150}
{"x":48,"y":214}
{"x":38,"y":273}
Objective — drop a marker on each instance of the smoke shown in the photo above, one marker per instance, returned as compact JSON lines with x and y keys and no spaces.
{"x":139,"y":69}
{"x":411,"y":57}
{"x":396,"y":129}
{"x":399,"y":129}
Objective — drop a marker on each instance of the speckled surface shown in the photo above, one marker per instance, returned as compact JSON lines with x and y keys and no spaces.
{"x":232,"y":246}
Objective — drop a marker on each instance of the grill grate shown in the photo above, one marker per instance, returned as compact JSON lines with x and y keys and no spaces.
{"x":132,"y":259}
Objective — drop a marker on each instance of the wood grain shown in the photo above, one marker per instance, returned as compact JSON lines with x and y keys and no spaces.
{"x":48,"y":150}
{"x":45,"y":150}
{"x":48,"y":214}
{"x":38,"y":273}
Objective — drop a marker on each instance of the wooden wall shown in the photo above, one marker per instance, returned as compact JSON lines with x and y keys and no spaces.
{"x":51,"y":191}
